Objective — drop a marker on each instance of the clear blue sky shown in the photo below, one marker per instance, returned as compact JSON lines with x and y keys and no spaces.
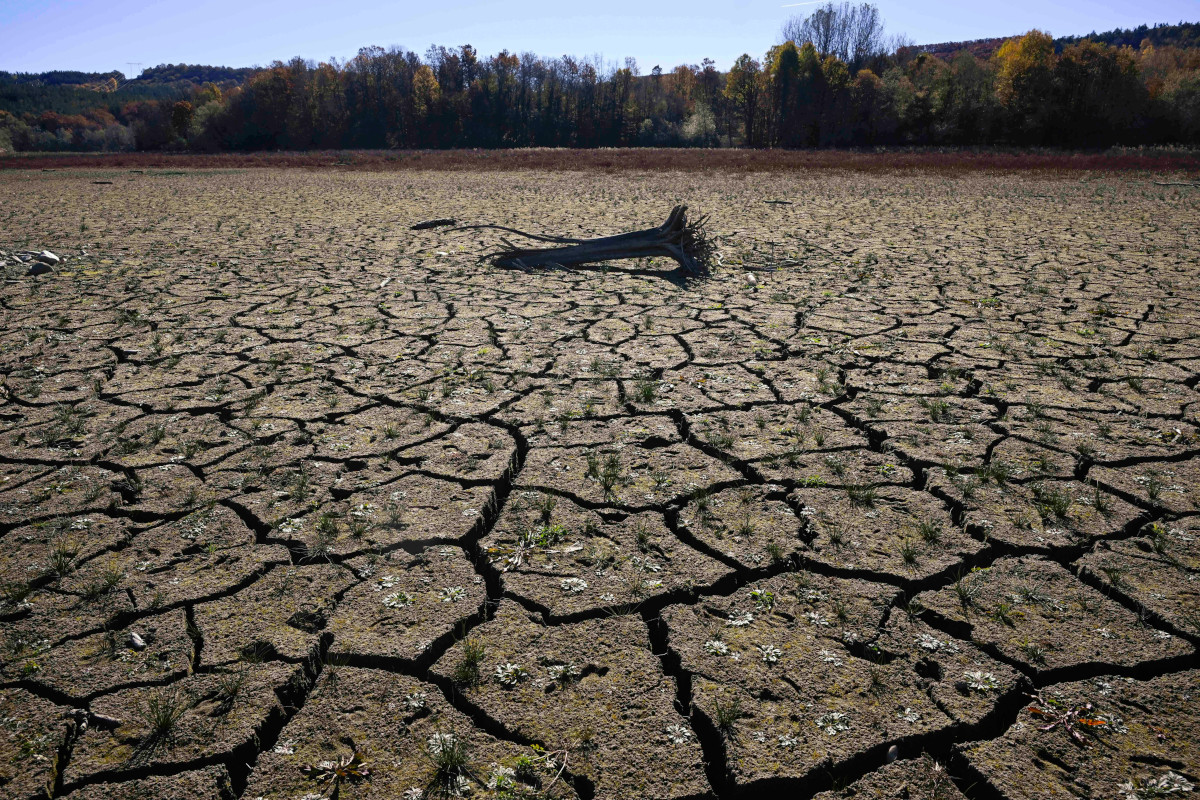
{"x":102,"y":35}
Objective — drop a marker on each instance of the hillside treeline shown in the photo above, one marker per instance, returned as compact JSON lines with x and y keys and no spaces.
{"x":1086,"y":94}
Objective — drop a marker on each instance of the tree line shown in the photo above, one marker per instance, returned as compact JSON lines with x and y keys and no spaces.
{"x":835,"y":80}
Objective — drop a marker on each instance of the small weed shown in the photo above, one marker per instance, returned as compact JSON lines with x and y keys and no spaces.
{"x":1077,"y":720}
{"x":351,"y":769}
{"x":1154,"y":486}
{"x":841,"y":610}
{"x":544,"y":536}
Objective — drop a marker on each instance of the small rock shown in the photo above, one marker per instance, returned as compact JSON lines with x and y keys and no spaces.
{"x":39,"y":268}
{"x":893,"y":753}
{"x":136,"y":642}
{"x":46,"y":257}
{"x":750,"y":279}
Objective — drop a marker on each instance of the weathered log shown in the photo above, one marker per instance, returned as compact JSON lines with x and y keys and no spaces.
{"x":684,"y":242}
{"x":433,"y":223}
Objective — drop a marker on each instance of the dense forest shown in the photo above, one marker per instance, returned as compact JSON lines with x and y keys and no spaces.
{"x":834,"y":81}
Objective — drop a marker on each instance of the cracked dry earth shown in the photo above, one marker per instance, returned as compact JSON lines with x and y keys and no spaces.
{"x":284,"y":482}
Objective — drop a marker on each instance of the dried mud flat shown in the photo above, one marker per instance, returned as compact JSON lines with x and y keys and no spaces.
{"x":913,"y":474}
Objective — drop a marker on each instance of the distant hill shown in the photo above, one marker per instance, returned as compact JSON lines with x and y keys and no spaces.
{"x":1185,"y":34}
{"x":60,"y":78}
{"x":162,"y":75}
{"x":69,"y":92}
{"x":195,"y":73}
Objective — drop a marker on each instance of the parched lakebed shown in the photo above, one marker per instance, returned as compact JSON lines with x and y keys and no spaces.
{"x":296,"y":502}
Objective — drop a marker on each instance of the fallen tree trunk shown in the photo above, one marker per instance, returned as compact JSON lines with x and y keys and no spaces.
{"x":684,"y":242}
{"x":433,"y":223}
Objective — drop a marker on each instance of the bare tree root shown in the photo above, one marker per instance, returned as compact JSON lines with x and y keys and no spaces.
{"x":685,"y":242}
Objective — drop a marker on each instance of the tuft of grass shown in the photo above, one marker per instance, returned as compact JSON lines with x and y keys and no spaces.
{"x":450,"y":755}
{"x":466,"y":671}
{"x":999,"y":471}
{"x":967,"y":589}
{"x":644,"y":391}
{"x":861,"y":495}
{"x":642,"y":536}
{"x":610,"y":473}
{"x":62,"y":559}
{"x":108,"y":581}
{"x":726,"y":715}
{"x":1051,"y":501}
{"x":162,"y":713}
{"x":229,"y":688}
{"x":545,"y":506}
{"x":938,"y":410}
{"x":1115,"y":575}
{"x":929,"y":531}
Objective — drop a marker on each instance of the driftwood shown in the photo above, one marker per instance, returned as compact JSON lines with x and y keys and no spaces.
{"x":685,"y":242}
{"x":1175,"y":183}
{"x":433,"y":223}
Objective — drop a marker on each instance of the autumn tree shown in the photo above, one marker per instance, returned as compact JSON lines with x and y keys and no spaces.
{"x":1098,"y":93}
{"x":784,"y":72}
{"x":1024,"y":83}
{"x":743,"y":86}
{"x":427,"y":93}
{"x":181,"y":117}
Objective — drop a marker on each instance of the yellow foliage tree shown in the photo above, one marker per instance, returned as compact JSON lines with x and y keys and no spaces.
{"x":426,"y":91}
{"x":1023,"y":68}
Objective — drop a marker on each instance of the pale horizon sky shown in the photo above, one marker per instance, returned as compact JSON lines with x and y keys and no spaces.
{"x":93,"y":36}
